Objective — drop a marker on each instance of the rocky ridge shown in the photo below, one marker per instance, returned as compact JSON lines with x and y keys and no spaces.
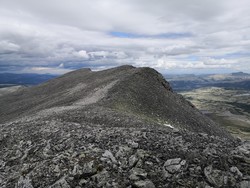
{"x":86,"y":138}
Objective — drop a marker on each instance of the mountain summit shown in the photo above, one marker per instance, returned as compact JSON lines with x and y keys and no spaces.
{"x":142,"y":93}
{"x":121,"y":127}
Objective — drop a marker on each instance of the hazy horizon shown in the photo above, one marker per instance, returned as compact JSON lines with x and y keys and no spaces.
{"x":174,"y":37}
{"x":206,"y":72}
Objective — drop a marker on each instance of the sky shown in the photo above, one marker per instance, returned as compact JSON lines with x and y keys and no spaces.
{"x":172,"y":36}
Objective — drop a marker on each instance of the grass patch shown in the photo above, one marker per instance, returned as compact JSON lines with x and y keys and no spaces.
{"x":245,"y":107}
{"x":235,"y":127}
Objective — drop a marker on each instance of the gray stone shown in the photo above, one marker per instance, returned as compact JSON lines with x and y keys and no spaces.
{"x":144,"y":184}
{"x":166,"y":174}
{"x":215,"y":177}
{"x":210,"y":150}
{"x":2,"y":164}
{"x":173,"y":168}
{"x":244,"y":148}
{"x":134,"y":145}
{"x":207,"y":186}
{"x":133,"y":160}
{"x":149,"y":163}
{"x":172,"y":162}
{"x":24,"y":182}
{"x":88,"y":169}
{"x":47,"y":149}
{"x":1,"y":180}
{"x":108,"y":155}
{"x":61,"y":183}
{"x":83,"y":182}
{"x":57,"y":169}
{"x":101,"y":178}
{"x":141,"y":153}
{"x":236,"y":172}
{"x":195,"y":171}
{"x":245,"y":184}
{"x":137,"y":174}
{"x":174,"y":165}
{"x":78,"y":170}
{"x":246,"y":177}
{"x":123,"y":151}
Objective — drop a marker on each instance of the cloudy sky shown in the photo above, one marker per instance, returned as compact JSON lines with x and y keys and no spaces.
{"x":173,"y":36}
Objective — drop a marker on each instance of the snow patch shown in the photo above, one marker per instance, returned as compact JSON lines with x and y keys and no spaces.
{"x":168,"y":125}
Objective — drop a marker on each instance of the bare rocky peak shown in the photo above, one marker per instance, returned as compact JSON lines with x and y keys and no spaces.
{"x":126,"y":89}
{"x":121,"y":127}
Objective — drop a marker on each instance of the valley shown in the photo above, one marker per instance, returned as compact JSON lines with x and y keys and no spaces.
{"x":230,"y":108}
{"x":225,"y":98}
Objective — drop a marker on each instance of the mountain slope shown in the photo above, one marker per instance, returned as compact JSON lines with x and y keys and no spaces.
{"x":140,"y":91}
{"x":122,"y":127}
{"x":147,"y":94}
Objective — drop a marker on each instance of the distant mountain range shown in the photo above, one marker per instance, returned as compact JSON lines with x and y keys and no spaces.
{"x":238,"y":80}
{"x":24,"y":79}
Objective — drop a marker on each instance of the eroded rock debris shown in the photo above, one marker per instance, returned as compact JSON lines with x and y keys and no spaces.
{"x":99,"y":145}
{"x":90,"y":155}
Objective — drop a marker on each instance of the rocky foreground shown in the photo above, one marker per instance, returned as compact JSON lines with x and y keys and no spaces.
{"x":56,"y":153}
{"x":91,"y":140}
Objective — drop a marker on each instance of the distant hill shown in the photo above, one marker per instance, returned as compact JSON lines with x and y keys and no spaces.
{"x":121,"y":127}
{"x":240,"y":74}
{"x":24,"y":79}
{"x":237,"y":80}
{"x":245,"y":84}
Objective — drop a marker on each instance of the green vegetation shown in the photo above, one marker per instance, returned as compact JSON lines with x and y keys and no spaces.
{"x":230,"y":108}
{"x":243,"y":106}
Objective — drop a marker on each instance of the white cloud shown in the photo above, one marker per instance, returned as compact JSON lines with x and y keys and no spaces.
{"x":173,"y":50}
{"x":6,"y":46}
{"x":82,"y":54}
{"x":107,"y":54}
{"x":165,"y":35}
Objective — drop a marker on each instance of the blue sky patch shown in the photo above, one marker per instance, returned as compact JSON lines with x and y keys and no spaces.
{"x":162,"y":35}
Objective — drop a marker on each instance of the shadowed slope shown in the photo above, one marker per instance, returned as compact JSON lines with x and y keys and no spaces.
{"x":147,"y":94}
